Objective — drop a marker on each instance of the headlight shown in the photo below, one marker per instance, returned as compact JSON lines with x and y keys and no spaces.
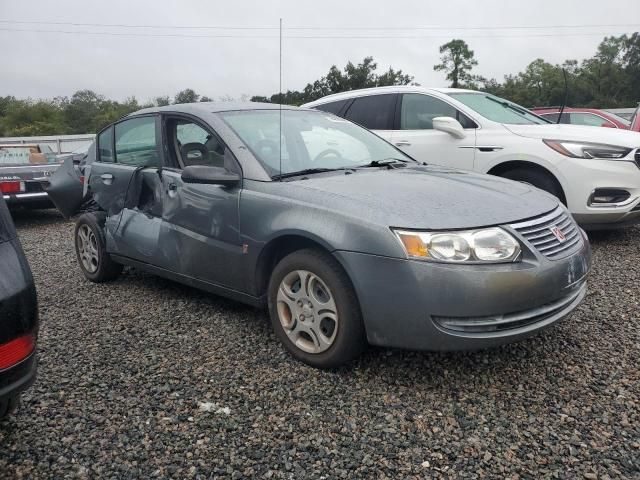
{"x":588,"y":150}
{"x":487,"y":245}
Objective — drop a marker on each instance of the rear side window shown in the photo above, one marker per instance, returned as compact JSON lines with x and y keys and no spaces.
{"x":332,"y":107}
{"x":136,"y":142}
{"x":105,"y":146}
{"x":418,"y":112}
{"x":590,"y":119}
{"x":374,"y":112}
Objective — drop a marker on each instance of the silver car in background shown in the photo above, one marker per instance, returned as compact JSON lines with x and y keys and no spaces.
{"x":23,"y":169}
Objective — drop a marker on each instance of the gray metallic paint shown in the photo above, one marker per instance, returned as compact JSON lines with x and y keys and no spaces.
{"x":214,"y":237}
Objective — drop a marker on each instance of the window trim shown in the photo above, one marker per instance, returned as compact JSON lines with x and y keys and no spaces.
{"x":457,"y":109}
{"x":168,"y":115}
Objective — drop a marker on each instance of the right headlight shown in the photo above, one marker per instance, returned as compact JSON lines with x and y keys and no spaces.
{"x":486,"y":245}
{"x":588,"y":150}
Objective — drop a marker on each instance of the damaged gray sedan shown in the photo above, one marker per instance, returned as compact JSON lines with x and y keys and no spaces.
{"x":347,"y":240}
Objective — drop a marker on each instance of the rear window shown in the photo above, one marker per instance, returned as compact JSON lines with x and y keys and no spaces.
{"x":21,"y":155}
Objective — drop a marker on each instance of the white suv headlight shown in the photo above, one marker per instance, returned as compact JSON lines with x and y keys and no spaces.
{"x":486,"y":245}
{"x":588,"y":150}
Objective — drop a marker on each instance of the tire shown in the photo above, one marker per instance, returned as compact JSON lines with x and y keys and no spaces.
{"x":8,"y":406}
{"x":542,"y":180}
{"x":318,"y":338}
{"x":91,"y":249}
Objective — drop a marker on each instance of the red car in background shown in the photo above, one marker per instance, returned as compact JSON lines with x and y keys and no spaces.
{"x":584,"y":116}
{"x":635,"y":120}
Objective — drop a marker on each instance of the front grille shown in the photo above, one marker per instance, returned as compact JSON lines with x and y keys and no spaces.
{"x":538,"y":232}
{"x":511,"y":321}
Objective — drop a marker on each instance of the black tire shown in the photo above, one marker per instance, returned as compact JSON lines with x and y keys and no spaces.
{"x":9,"y":406}
{"x":105,"y":268}
{"x":542,"y":180}
{"x":350,"y":338}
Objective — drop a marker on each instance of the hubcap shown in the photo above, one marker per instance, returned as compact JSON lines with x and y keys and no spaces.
{"x":88,"y":249}
{"x":307,"y":311}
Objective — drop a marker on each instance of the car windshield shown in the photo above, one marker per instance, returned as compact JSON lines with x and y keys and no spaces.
{"x":498,"y":109}
{"x":309,"y":140}
{"x":24,"y":155}
{"x":620,"y":119}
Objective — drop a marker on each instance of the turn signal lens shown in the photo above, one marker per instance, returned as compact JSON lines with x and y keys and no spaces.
{"x":413,"y":244}
{"x":16,"y":350}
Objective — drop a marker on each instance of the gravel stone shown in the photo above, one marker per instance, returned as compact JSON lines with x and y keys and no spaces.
{"x":126,"y":367}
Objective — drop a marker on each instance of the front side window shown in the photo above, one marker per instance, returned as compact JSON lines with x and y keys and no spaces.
{"x":418,"y":111}
{"x":309,"y":140}
{"x":374,"y":112}
{"x":196,"y":146}
{"x":105,"y":146}
{"x":498,"y":109}
{"x":136,"y":142}
{"x":589,"y":119}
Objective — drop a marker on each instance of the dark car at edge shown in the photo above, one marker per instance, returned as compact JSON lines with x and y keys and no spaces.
{"x":18,"y":317}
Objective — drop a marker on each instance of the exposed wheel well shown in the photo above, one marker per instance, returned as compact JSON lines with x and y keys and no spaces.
{"x":502,"y":168}
{"x":275,"y":251}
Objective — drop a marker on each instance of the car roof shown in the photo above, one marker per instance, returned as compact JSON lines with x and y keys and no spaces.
{"x":390,"y":89}
{"x":214,"y":107}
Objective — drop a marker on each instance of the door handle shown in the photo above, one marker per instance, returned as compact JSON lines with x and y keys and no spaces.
{"x":173,"y":187}
{"x":172,"y":190}
{"x":107,"y":178}
{"x":403,"y":143}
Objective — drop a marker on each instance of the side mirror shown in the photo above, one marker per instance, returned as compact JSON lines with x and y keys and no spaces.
{"x":209,"y":175}
{"x":449,"y":125}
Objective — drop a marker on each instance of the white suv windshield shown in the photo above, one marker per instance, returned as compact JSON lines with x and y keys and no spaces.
{"x":498,"y":109}
{"x":309,"y":140}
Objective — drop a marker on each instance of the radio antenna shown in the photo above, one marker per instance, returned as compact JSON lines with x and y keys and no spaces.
{"x":280,"y":99}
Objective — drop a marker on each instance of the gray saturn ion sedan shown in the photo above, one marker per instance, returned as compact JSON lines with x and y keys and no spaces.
{"x":346,"y":239}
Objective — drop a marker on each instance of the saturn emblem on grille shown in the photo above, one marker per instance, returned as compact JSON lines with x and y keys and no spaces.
{"x":558,"y":233}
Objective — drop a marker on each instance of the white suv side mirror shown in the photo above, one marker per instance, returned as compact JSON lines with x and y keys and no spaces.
{"x":449,"y":125}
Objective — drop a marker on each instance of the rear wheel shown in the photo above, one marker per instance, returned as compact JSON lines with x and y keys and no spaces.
{"x":314,"y":309}
{"x":91,"y":249}
{"x":542,"y":180}
{"x":8,"y":406}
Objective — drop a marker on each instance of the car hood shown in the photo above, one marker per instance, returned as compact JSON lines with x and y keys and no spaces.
{"x":425,"y":197}
{"x":609,"y":136}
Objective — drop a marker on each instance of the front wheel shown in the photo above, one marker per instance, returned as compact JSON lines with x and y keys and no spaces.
{"x":91,"y":249}
{"x":9,"y":406}
{"x":314,"y":309}
{"x":539,"y":179}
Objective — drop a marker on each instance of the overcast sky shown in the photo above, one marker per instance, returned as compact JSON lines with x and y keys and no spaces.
{"x":39,"y":64}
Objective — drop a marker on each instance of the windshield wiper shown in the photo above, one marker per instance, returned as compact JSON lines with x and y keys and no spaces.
{"x":305,"y":171}
{"x":510,"y":106}
{"x":387,"y":162}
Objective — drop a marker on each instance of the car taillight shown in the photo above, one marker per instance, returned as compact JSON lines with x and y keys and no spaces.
{"x":11,"y":187}
{"x":16,"y":350}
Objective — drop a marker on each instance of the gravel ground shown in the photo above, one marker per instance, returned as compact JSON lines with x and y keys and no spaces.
{"x":145,"y":378}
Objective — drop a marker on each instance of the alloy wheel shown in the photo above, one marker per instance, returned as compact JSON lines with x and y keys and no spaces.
{"x":88,"y":249}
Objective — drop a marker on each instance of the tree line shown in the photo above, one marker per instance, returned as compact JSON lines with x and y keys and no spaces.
{"x":611,"y":78}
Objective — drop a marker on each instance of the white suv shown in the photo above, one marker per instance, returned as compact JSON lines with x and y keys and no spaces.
{"x":595,"y":171}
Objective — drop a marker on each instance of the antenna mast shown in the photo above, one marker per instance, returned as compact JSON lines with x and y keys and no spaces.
{"x":280,"y":99}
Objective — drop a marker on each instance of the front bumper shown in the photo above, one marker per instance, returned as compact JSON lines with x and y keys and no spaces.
{"x":413,"y":304}
{"x":584,"y":177}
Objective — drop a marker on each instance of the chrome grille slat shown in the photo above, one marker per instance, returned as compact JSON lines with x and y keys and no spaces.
{"x":538,"y":233}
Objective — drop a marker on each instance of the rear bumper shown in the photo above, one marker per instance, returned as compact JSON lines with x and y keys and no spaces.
{"x":429,"y":306}
{"x":28,"y":198}
{"x":18,"y":378}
